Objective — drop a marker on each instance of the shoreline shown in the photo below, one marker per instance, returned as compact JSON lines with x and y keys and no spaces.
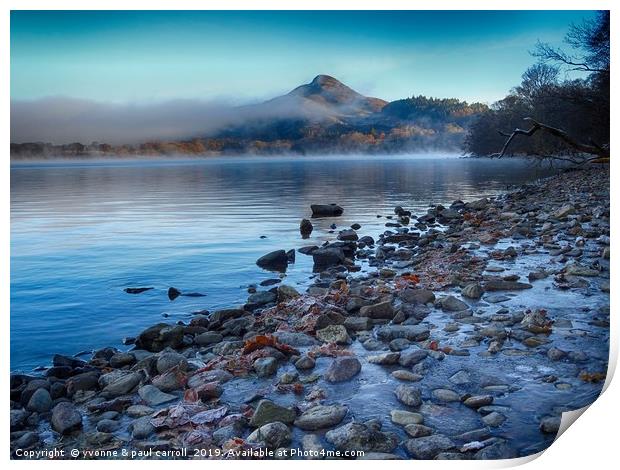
{"x":436,"y":298}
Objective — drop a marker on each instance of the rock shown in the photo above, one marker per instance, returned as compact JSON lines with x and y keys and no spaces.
{"x":460,"y":378}
{"x":158,"y":337}
{"x":154,"y":397}
{"x":494,"y":419}
{"x":305,"y":228}
{"x":311,"y":445}
{"x":169,"y":381}
{"x":446,"y":395}
{"x":136,"y":290}
{"x":410,"y":332}
{"x":27,"y":440}
{"x":556,"y":354}
{"x":268,"y":412}
{"x":452,"y":304}
{"x":389,"y":358}
{"x":173,"y":293}
{"x":382,"y":310}
{"x":286,"y":293}
{"x":418,"y":430}
{"x":334,"y":334}
{"x":358,"y":323}
{"x":405,"y":418}
{"x":168,"y":360}
{"x":265,"y":366}
{"x":359,"y":437}
{"x":408,"y":395}
{"x":576,"y":269}
{"x":271,"y":435}
{"x":417,"y":296}
{"x":326,"y":257}
{"x":305,"y":362}
{"x":40,"y":401}
{"x":65,"y":361}
{"x":564,"y":211}
{"x":220,"y":317}
{"x":550,"y":424}
{"x":84,"y":381}
{"x":412,"y":357}
{"x":477,"y":401}
{"x":122,"y":359}
{"x":321,"y":416}
{"x":142,"y":428}
{"x":472,"y":291}
{"x":274,"y":261}
{"x":496,"y":451}
{"x":18,"y":419}
{"x":138,"y":411}
{"x":66,"y":418}
{"x":500,"y":284}
{"x":259,"y":299}
{"x":348,"y":235}
{"x":406,"y":375}
{"x":108,"y":425}
{"x":426,"y":448}
{"x":326,"y":210}
{"x":207,"y":338}
{"x":123,"y":385}
{"x":342,"y":369}
{"x":295,"y":339}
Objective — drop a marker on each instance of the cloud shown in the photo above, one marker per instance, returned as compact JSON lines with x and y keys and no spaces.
{"x":62,"y":120}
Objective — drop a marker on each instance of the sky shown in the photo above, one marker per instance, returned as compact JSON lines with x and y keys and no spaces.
{"x":127,"y":76}
{"x":137,"y":56}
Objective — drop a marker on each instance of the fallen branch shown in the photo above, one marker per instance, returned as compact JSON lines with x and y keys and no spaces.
{"x":600,"y":154}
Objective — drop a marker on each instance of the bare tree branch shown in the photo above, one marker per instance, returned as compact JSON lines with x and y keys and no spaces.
{"x":599,"y":153}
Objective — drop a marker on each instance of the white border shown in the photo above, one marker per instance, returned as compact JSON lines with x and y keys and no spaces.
{"x":590,"y":444}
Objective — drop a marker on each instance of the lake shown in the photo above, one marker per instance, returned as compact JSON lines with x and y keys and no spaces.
{"x":81,"y":232}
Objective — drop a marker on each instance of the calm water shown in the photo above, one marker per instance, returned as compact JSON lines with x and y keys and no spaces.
{"x":81,"y":233}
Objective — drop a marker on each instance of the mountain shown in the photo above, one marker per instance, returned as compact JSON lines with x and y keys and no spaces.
{"x":322,"y":116}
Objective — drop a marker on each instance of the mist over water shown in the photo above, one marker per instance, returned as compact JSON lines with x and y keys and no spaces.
{"x":82,"y":232}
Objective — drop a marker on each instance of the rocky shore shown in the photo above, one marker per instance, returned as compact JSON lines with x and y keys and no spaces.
{"x":469,"y":331}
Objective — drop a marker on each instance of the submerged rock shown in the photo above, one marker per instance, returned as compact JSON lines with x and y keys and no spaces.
{"x":326,"y":210}
{"x":274,"y":261}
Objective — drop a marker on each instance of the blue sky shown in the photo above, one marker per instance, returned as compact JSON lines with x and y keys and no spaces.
{"x":141,"y":56}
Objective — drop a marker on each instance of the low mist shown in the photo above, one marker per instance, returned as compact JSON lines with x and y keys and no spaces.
{"x":61,"y":120}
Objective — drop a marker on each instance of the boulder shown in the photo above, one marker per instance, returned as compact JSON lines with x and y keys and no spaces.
{"x":265,"y":366}
{"x":334,"y":334}
{"x":269,"y":412}
{"x":359,"y":437}
{"x":271,"y":435}
{"x":472,"y":291}
{"x":382,"y":310}
{"x":328,"y":256}
{"x":326,"y":210}
{"x":321,"y":416}
{"x":66,"y":418}
{"x":409,"y":395}
{"x":342,"y":369}
{"x":417,"y":296}
{"x":154,"y":396}
{"x":158,"y":337}
{"x":452,"y":304}
{"x":427,"y":448}
{"x":305,"y":228}
{"x":274,"y":261}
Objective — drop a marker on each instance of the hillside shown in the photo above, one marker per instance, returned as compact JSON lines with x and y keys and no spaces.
{"x":322,"y":116}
